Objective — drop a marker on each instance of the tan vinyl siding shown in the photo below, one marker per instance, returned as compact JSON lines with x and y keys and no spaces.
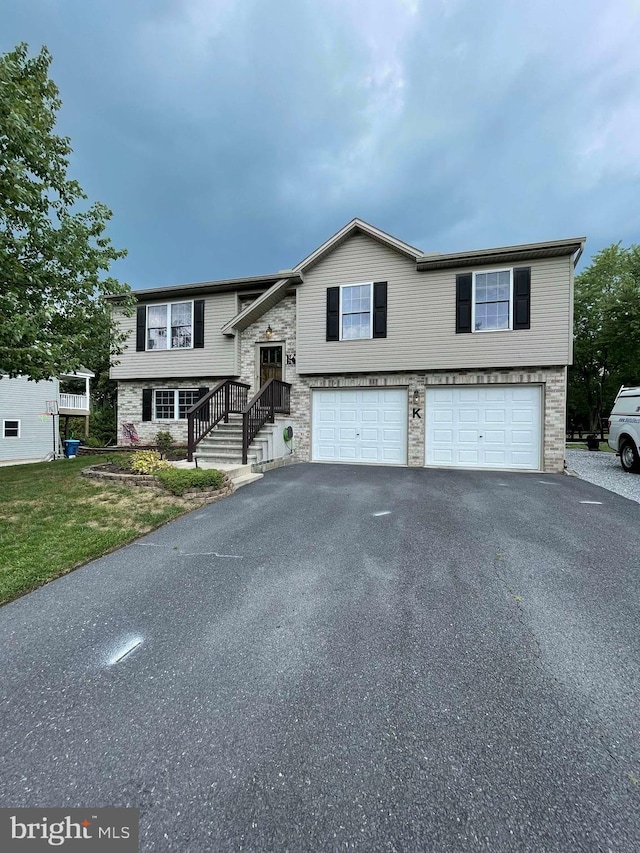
{"x":421,"y":317}
{"x":219,"y":357}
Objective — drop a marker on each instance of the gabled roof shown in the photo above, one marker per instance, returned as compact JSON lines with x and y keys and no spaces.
{"x":258,"y":307}
{"x":270,"y":297}
{"x":357,"y":226}
{"x":503,"y":254}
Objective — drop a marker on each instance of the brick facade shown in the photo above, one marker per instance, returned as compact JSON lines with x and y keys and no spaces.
{"x":130,"y":407}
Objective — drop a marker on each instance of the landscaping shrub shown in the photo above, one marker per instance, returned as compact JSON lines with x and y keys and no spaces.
{"x":102,"y":425}
{"x":179,"y":480}
{"x":164,"y":442}
{"x":122,"y":461}
{"x":92,"y":441}
{"x":148,"y":462}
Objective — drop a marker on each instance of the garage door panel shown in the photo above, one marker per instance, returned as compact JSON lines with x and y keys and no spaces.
{"x":392,"y":457}
{"x":370,"y":434}
{"x":347,"y":416}
{"x":522,"y":416}
{"x":493,"y":395}
{"x":508,"y":427}
{"x":346,"y":434}
{"x":524,"y":459}
{"x":468,"y":395}
{"x":369,"y":454}
{"x":519,"y":436}
{"x":522,"y":392}
{"x":327,"y":434}
{"x":372,"y":425}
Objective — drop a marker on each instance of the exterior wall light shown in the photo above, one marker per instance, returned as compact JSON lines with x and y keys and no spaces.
{"x":416,"y":397}
{"x":269,"y":333}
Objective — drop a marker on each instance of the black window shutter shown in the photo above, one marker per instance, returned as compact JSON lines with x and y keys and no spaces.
{"x":380,"y":309}
{"x":333,"y":313}
{"x":198,"y":323}
{"x":141,"y":328}
{"x":522,"y":298}
{"x":147,"y":404}
{"x":464,"y":287}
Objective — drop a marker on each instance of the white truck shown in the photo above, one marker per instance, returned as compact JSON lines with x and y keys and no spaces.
{"x":624,"y":428}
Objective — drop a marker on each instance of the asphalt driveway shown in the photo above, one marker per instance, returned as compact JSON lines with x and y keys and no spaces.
{"x":345,"y":658}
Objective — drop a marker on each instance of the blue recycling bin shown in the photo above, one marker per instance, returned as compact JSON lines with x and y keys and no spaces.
{"x":71,"y":446}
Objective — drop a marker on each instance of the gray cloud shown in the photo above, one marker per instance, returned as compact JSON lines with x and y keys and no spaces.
{"x":232,"y":138}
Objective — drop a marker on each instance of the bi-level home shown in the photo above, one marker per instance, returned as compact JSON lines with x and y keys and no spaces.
{"x":371,"y":350}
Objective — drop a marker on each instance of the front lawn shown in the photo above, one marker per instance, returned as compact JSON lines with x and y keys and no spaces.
{"x":52,"y":519}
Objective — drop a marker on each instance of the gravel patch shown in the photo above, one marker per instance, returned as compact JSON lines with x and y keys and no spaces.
{"x":604,"y":469}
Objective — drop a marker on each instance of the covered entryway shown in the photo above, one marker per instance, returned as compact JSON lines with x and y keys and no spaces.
{"x":480,"y":426}
{"x":366,"y":425}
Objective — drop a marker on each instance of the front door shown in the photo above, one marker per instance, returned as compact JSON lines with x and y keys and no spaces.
{"x":270,"y":363}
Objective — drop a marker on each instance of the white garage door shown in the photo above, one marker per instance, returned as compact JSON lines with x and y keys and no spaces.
{"x":360,"y":425}
{"x":483,"y":426}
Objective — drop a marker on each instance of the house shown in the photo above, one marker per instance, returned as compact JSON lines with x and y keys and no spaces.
{"x":371,"y":350}
{"x":30,"y":412}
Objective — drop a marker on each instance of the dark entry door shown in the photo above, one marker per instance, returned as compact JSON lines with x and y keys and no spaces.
{"x":270,"y":363}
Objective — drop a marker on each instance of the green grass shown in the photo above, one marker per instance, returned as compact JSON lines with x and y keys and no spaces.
{"x":582,"y":445}
{"x":52,"y":520}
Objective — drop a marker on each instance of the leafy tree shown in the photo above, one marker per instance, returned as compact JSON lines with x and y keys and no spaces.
{"x":606,"y":333}
{"x":53,"y":314}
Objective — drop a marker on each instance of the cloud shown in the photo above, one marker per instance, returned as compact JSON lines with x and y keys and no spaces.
{"x":214,"y":125}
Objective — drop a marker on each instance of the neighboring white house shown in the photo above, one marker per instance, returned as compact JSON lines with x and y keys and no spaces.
{"x":28,"y":432}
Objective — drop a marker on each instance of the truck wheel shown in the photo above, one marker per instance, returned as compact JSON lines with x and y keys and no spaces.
{"x":629,"y":456}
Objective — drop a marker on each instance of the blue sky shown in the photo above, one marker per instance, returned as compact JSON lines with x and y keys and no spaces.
{"x":232,"y":137}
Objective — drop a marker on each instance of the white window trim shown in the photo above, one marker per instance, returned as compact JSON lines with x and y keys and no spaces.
{"x":11,"y":421}
{"x":357,"y":284}
{"x":168,"y":327}
{"x":176,"y":404}
{"x":473,"y":302}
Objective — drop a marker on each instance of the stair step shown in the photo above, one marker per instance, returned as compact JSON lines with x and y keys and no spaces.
{"x":224,"y":446}
{"x":246,"y":479}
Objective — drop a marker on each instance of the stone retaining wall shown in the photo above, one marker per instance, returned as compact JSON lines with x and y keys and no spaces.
{"x":148,"y":481}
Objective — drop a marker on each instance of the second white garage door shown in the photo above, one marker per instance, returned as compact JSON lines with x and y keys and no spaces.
{"x":366,"y":425}
{"x":483,"y":426}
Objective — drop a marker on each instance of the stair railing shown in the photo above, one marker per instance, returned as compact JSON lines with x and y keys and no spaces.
{"x":273,"y":398}
{"x":226,"y":398}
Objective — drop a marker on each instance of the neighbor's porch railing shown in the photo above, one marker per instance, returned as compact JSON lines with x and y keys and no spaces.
{"x":74,"y":401}
{"x":228,"y":396}
{"x":273,"y":397}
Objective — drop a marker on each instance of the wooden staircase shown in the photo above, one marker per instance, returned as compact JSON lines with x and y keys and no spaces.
{"x":224,"y":428}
